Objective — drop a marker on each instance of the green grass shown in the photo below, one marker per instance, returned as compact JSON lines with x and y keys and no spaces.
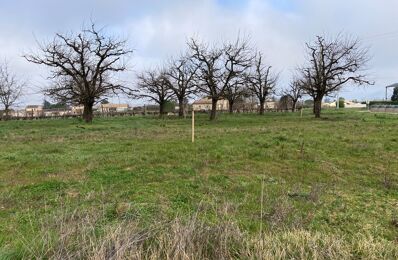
{"x":336,"y":176}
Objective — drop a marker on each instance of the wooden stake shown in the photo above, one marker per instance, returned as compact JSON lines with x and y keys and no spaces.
{"x":301,"y":112}
{"x":193,"y":126}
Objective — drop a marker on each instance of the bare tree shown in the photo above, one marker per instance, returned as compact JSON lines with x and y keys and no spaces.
{"x":331,"y":65}
{"x":284,"y":103}
{"x":261,"y":81}
{"x":235,"y":91}
{"x":153,"y":85}
{"x":10,"y":89}
{"x":181,"y":77}
{"x":218,"y":66}
{"x":294,"y":92}
{"x":82,"y":66}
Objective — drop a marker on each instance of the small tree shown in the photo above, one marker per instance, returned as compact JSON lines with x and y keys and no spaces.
{"x":235,"y":91}
{"x":260,"y":81}
{"x":83,"y":66}
{"x":10,"y":89}
{"x":341,"y":102}
{"x":153,"y":85}
{"x":295,"y":93}
{"x":285,"y":103}
{"x":394,"y":96}
{"x":181,"y":77}
{"x":331,"y":65}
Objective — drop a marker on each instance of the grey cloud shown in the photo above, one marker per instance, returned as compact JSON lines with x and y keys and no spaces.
{"x":159,"y":29}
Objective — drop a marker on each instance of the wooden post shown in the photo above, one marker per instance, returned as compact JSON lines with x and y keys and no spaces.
{"x":193,"y":126}
{"x":301,"y":112}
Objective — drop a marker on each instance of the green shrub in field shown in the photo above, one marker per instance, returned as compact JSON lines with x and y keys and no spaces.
{"x":341,"y":103}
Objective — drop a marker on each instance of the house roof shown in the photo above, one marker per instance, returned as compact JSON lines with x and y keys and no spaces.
{"x":33,"y":106}
{"x":203,"y":101}
{"x":393,"y":85}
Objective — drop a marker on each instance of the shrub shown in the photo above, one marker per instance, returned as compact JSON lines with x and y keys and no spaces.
{"x":341,"y":103}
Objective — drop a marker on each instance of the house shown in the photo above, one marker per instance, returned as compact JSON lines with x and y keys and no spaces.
{"x":18,"y":113}
{"x":205,"y":104}
{"x":34,"y":110}
{"x":271,"y":105}
{"x":329,"y":104}
{"x":55,"y":112}
{"x":109,"y":108}
{"x":353,"y":104}
{"x":347,"y":104}
{"x":77,"y":110}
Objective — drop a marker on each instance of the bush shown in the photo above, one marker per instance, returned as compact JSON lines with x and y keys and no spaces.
{"x":341,"y":103}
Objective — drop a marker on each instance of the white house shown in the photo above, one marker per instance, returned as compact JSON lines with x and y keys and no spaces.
{"x":204,"y":104}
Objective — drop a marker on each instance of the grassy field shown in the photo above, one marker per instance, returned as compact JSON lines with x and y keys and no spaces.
{"x":250,"y":187}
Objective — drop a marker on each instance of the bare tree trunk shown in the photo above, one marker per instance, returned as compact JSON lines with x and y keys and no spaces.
{"x":88,"y":112}
{"x":262,"y":107}
{"x":231,"y":106}
{"x":161,"y":108}
{"x":181,"y":110}
{"x":294,"y":106}
{"x":213,"y":109}
{"x":317,"y":107}
{"x":6,"y":113}
{"x":313,"y":108}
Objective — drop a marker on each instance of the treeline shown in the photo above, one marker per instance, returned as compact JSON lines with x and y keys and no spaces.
{"x":84,"y":66}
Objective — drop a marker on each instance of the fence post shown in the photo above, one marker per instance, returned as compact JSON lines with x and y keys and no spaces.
{"x":193,"y":125}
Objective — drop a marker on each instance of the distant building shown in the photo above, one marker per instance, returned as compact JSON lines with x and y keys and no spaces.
{"x":109,"y":108}
{"x":55,"y":112}
{"x":34,"y":110}
{"x":347,"y":104}
{"x":77,"y":110}
{"x":352,"y":104}
{"x":17,"y":113}
{"x":272,"y":105}
{"x":205,"y":104}
{"x":329,"y":104}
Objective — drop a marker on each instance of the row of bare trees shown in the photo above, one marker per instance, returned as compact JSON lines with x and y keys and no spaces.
{"x":234,"y":70}
{"x":84,"y":66}
{"x":230,"y":71}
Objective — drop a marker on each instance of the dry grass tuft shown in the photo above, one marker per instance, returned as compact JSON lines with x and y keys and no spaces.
{"x":77,"y":236}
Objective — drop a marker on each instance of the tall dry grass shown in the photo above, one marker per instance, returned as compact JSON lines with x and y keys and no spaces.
{"x":77,"y":236}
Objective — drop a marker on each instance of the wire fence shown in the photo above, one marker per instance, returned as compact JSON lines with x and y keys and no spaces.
{"x":392,"y":108}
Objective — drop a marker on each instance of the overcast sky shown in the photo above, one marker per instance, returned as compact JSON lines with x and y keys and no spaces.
{"x":159,"y":29}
